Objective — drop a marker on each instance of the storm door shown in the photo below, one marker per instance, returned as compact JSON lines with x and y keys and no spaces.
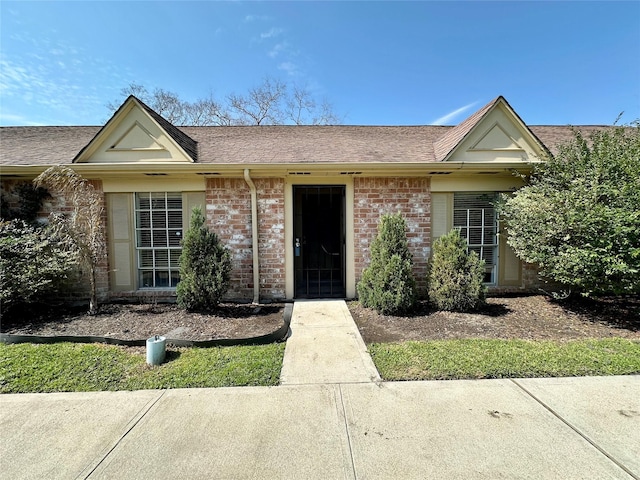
{"x":319,"y":241}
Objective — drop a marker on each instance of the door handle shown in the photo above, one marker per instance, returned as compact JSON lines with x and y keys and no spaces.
{"x":329,"y":253}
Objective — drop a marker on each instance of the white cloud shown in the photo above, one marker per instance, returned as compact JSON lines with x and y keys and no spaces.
{"x":448,"y":118}
{"x":274,"y":32}
{"x":289,"y":67}
{"x":256,"y":18}
{"x":278,"y":49}
{"x":54,"y":83}
{"x":7,"y":119}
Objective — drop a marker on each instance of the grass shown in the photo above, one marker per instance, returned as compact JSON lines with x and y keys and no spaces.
{"x":67,"y":367}
{"x":473,"y":359}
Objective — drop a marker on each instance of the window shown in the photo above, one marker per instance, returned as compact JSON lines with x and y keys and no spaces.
{"x":158,"y":235}
{"x":475,"y":216}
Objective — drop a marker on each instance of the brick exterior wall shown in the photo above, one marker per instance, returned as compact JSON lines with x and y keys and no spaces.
{"x":228,"y":207}
{"x":102,"y":275}
{"x":271,"y":237}
{"x":410,"y":196}
{"x":229,"y":215}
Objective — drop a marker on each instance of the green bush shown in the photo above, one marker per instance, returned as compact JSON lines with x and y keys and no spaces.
{"x":387,"y":284}
{"x":205,"y":267}
{"x":578,"y":218}
{"x":455,"y":275}
{"x":35,"y":262}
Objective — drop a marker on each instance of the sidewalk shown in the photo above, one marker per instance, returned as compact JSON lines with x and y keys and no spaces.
{"x":555,"y":428}
{"x":590,"y":428}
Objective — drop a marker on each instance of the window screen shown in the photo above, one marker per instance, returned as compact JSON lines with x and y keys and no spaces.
{"x":158,"y":235}
{"x":475,"y":216}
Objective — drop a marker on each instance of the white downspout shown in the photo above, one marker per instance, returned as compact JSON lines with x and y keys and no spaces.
{"x":254,"y":236}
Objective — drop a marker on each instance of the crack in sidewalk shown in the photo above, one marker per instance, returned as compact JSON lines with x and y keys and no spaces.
{"x":346,"y":428}
{"x":577,"y":430}
{"x":136,"y":419}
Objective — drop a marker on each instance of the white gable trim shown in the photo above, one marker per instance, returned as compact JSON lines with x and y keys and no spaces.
{"x":486,"y":141}
{"x":494,"y":139}
{"x":137,"y":137}
{"x":131,"y":136}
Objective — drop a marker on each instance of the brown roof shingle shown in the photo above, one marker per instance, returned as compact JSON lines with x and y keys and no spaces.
{"x":188,"y":144}
{"x":444,"y":145}
{"x":315,"y":144}
{"x":43,"y":145}
{"x":266,"y":144}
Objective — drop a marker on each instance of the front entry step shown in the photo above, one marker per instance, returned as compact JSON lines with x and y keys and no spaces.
{"x":325,"y":346}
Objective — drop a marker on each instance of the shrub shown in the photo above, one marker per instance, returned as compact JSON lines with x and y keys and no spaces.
{"x":387,"y":284}
{"x":35,"y":262}
{"x":578,"y":219}
{"x":205,"y":267}
{"x":455,"y":275}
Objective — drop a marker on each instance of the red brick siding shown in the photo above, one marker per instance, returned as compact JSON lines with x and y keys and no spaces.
{"x":228,"y":207}
{"x":374,"y":197}
{"x":102,"y":275}
{"x":271,"y":237}
{"x":229,"y":215}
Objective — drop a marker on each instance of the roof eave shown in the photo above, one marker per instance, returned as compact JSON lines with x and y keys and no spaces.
{"x":120,"y":170}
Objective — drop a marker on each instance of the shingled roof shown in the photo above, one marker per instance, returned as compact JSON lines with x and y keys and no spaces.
{"x":43,"y":145}
{"x":450,"y":140}
{"x":188,"y":144}
{"x":263,"y":145}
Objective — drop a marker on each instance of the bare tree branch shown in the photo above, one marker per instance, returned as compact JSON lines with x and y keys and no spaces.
{"x":326,"y":115}
{"x":272,"y":102}
{"x":168,"y":105}
{"x":299,"y":105}
{"x":261,"y":105}
{"x":85,"y":224}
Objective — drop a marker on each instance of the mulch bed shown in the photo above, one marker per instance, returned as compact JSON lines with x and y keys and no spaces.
{"x":142,"y":321}
{"x":534,"y":317}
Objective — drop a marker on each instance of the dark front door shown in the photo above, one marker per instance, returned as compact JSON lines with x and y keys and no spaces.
{"x":319,"y":243}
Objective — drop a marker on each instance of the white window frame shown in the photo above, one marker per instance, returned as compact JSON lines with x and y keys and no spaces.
{"x":160,"y":237}
{"x":486,"y":243}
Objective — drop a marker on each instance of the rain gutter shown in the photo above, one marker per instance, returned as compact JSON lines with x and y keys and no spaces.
{"x":254,"y":236}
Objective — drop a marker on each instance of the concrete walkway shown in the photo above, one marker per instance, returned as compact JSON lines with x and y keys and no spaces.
{"x":325,"y":346}
{"x":556,"y":428}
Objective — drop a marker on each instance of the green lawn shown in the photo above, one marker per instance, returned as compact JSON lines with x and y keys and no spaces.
{"x":66,"y":367}
{"x":460,"y":359}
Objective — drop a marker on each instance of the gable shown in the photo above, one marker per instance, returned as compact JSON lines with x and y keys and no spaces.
{"x":499,"y":136}
{"x":137,"y":138}
{"x":496,"y":139}
{"x":132,"y":135}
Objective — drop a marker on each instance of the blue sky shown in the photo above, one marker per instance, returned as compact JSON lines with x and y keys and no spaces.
{"x":378,"y":63}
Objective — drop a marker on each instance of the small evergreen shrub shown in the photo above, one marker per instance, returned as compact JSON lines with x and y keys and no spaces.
{"x":36,"y":262}
{"x":455,"y":275}
{"x":387,"y":284}
{"x":205,"y":267}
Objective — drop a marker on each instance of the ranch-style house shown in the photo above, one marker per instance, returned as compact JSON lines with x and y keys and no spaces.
{"x":298,"y":206}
